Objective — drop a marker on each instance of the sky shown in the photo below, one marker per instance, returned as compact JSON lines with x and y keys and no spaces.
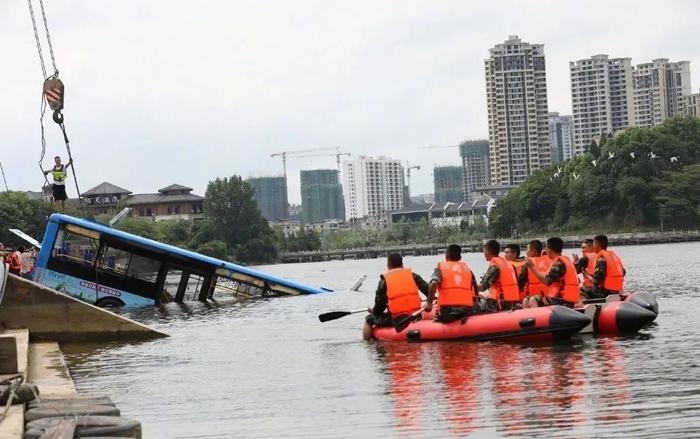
{"x":164,"y":92}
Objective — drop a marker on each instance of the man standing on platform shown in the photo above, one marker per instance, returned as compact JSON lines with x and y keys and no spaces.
{"x":59,"y":173}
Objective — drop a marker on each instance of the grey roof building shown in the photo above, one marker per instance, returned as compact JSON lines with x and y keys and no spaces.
{"x":171,"y":202}
{"x":104,"y":197}
{"x":105,"y":188}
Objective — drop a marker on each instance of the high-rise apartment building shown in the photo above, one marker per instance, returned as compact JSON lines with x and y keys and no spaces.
{"x":449,"y":184}
{"x":561,"y":137}
{"x":692,"y":105}
{"x":516,"y":93}
{"x":321,"y":196}
{"x":660,"y":91}
{"x":475,"y":166}
{"x":372,"y":186}
{"x":602,"y":93}
{"x":271,"y":197}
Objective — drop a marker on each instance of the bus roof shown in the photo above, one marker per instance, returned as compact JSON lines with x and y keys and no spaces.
{"x":59,"y":218}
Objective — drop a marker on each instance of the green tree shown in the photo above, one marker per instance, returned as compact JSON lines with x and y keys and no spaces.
{"x":679,"y":198}
{"x":257,"y":250}
{"x":561,"y":213}
{"x":629,"y":181}
{"x":142,"y":227}
{"x":176,"y":232}
{"x":215,"y":249}
{"x":232,"y":216}
{"x":19,"y":212}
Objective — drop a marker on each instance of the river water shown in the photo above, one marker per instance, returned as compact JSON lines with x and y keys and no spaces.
{"x":269,"y":368}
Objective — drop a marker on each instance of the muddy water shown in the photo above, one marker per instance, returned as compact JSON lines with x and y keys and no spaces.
{"x":270,"y":369}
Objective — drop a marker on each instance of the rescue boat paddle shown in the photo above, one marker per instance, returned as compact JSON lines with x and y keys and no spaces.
{"x":402,"y":322}
{"x":333,"y":315}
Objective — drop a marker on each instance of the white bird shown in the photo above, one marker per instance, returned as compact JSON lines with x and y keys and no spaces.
{"x":632,"y":155}
{"x":595,"y":162}
{"x":611,"y":155}
{"x":653,"y":156}
{"x":556,"y":174}
{"x":577,"y":176}
{"x":674,"y":159}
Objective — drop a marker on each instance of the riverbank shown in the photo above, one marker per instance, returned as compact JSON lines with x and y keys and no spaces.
{"x":571,"y":241}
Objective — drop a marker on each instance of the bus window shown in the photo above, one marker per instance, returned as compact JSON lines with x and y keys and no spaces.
{"x":182,"y":285}
{"x":238,"y":285}
{"x":115,"y":261}
{"x":75,"y":248}
{"x":143,"y":268}
{"x":171,"y":285}
{"x":194,"y":283}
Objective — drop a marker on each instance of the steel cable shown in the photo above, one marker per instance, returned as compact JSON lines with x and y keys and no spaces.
{"x":48,"y":38}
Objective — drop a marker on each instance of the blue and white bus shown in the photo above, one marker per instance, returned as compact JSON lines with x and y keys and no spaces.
{"x":108,"y":267}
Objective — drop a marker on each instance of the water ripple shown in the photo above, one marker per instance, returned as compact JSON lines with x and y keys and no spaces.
{"x":270,"y":369}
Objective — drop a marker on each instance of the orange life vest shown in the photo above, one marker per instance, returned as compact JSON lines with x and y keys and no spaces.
{"x":567,"y":287}
{"x":614,"y":271}
{"x":456,"y":286}
{"x":534,"y":286}
{"x":402,"y":291}
{"x":506,"y":286}
{"x":517,"y":266}
{"x":590,"y":268}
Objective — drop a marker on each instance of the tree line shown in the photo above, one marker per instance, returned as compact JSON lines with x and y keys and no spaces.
{"x":642,"y":178}
{"x":232,"y":228}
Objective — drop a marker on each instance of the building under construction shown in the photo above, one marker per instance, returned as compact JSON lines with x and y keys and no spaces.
{"x":475,"y":163}
{"x":271,"y":196}
{"x":321,"y":196}
{"x":449,"y":186}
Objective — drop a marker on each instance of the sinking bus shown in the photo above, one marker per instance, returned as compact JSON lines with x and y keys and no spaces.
{"x":108,"y":267}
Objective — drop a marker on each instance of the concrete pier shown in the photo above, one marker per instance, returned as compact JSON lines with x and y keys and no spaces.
{"x":51,"y":315}
{"x":47,"y":369}
{"x":12,"y":426}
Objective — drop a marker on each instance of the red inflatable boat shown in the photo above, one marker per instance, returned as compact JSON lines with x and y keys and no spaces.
{"x":545,"y":323}
{"x":614,"y":316}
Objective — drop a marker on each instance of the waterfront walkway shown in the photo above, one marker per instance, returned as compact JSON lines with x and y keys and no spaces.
{"x":573,"y":241}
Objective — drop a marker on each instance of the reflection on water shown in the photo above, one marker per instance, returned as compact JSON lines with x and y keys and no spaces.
{"x":460,"y":386}
{"x":511,"y":389}
{"x":269,"y":369}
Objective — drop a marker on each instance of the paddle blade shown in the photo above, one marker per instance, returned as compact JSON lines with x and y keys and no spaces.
{"x":333,"y":315}
{"x":402,"y":322}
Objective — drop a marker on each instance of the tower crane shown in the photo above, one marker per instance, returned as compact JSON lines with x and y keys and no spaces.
{"x":302,"y":153}
{"x":285,"y":154}
{"x":323,"y":154}
{"x":408,"y":175}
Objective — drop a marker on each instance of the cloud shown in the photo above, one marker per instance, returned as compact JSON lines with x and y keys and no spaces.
{"x":174,"y":91}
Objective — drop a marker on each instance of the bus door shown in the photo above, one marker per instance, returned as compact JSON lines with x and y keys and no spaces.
{"x":182,"y":284}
